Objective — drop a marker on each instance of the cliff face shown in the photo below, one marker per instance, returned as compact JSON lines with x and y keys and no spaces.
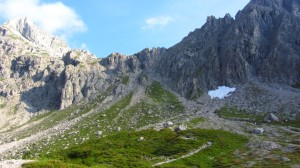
{"x":39,"y":72}
{"x":26,"y":29}
{"x":261,"y":44}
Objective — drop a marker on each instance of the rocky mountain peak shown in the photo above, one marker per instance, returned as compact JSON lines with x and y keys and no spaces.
{"x":27,"y":29}
{"x":286,"y":5}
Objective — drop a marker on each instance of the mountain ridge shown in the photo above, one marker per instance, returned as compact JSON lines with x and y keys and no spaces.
{"x":53,"y":97}
{"x":224,"y":51}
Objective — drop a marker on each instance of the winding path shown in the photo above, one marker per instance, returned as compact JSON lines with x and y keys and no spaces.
{"x":208,"y":144}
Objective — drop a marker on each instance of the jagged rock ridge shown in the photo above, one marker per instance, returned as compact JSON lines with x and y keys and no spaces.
{"x":28,"y":30}
{"x":260,"y":44}
{"x":40,"y":73}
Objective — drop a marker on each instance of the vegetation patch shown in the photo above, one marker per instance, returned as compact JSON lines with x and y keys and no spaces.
{"x":234,"y":113}
{"x":292,"y":123}
{"x":94,"y":63}
{"x":148,"y":147}
{"x":160,"y":95}
{"x":195,"y":121}
{"x":50,"y":164}
{"x":125,"y":80}
{"x":121,"y":116}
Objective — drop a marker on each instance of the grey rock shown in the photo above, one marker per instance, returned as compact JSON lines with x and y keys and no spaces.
{"x":271,"y":118}
{"x":28,"y":30}
{"x":259,"y":131}
{"x":168,"y":124}
{"x":99,"y":133}
{"x":181,"y":127}
{"x":228,"y":51}
{"x":260,"y":44}
{"x":285,"y":159}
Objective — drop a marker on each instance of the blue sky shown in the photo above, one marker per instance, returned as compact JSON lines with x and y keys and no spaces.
{"x":125,"y":26}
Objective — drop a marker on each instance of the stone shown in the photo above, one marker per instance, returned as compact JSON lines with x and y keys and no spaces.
{"x":119,"y":129}
{"x":181,"y":127}
{"x":168,"y":124}
{"x":259,"y":131}
{"x":141,"y":139}
{"x":99,"y":133}
{"x":271,"y":118}
{"x":285,"y":159}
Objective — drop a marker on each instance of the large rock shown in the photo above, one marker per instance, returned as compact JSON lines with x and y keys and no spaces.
{"x":258,"y":131}
{"x":271,"y":118}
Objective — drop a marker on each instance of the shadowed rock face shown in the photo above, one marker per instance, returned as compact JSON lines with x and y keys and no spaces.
{"x":261,"y":43}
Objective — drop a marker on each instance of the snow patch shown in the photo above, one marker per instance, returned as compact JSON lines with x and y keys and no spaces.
{"x":221,"y":92}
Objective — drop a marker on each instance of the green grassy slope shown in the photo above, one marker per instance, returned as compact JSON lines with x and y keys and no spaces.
{"x":124,"y":149}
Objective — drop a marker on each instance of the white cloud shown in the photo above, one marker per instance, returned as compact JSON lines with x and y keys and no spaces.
{"x":158,"y":21}
{"x":56,"y":18}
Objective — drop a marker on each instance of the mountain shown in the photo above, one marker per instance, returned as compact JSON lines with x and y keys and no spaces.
{"x":53,"y":97}
{"x":259,"y":44}
{"x":24,"y":28}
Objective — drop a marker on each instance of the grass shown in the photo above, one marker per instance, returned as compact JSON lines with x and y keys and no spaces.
{"x":124,"y":149}
{"x":52,"y":118}
{"x":51,"y":164}
{"x":292,"y":123}
{"x":159,"y":95}
{"x":195,"y":121}
{"x":125,"y":80}
{"x":273,"y":159}
{"x":233,"y":113}
{"x":94,"y":63}
{"x":84,"y":129}
{"x":2,"y":106}
{"x":119,"y":115}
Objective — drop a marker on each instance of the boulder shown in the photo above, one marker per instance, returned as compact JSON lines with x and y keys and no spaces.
{"x":119,"y":129}
{"x":141,"y":139}
{"x":271,"y":118}
{"x":258,"y":131}
{"x":99,"y":133}
{"x":168,"y":124}
{"x":181,"y":127}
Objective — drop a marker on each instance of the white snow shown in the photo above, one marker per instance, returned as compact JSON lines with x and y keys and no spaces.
{"x":221,"y":92}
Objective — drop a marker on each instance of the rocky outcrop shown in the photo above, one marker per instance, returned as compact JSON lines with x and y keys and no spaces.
{"x":260,"y":44}
{"x":24,"y":28}
{"x":145,"y":60}
{"x":39,"y":72}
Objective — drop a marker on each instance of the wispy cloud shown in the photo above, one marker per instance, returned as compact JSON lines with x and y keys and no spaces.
{"x":159,"y":21}
{"x":56,"y":18}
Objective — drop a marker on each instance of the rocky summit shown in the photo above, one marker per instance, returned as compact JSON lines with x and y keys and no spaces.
{"x":53,"y":97}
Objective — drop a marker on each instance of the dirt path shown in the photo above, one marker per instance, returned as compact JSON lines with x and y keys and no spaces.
{"x":208,"y":144}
